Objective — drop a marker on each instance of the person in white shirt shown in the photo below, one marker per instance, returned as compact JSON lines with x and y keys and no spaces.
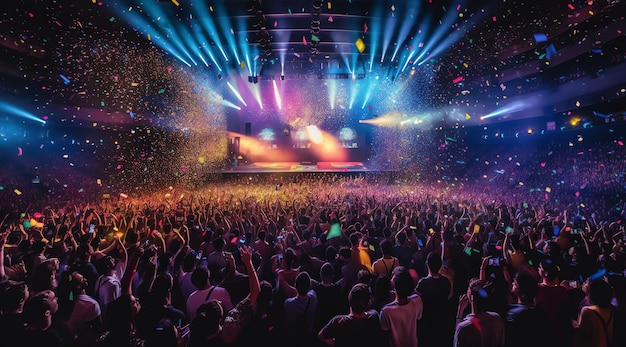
{"x":108,"y":286}
{"x":400,"y":317}
{"x":205,"y":292}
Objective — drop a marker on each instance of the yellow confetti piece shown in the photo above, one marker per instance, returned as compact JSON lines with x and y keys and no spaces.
{"x":548,"y":189}
{"x":175,"y":3}
{"x":17,"y":191}
{"x":577,"y":103}
{"x":123,"y":195}
{"x":243,"y":64}
{"x":329,"y":5}
{"x":134,"y":84}
{"x":360,"y":45}
{"x":467,"y":116}
{"x":211,"y":8}
{"x":149,"y":39}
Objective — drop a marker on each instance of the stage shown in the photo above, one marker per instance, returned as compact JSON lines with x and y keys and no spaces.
{"x":300,"y":167}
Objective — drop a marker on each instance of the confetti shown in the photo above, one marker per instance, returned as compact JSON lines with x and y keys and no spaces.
{"x":360,"y":45}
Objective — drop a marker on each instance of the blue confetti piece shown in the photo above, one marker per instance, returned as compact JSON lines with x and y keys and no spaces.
{"x":483,"y":293}
{"x":550,"y":51}
{"x":598,"y":274}
{"x":540,"y":38}
{"x":65,"y":80}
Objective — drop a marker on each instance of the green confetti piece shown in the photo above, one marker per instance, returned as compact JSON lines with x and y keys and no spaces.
{"x":542,"y":56}
{"x":289,"y":10}
{"x":315,"y":38}
{"x":161,"y":91}
{"x":112,"y":19}
{"x":102,"y":103}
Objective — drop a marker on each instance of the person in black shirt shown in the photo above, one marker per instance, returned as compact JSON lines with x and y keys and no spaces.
{"x":359,"y":327}
{"x":523,"y":318}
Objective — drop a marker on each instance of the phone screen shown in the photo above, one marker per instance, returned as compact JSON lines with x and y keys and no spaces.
{"x":494,"y":261}
{"x":92,"y":227}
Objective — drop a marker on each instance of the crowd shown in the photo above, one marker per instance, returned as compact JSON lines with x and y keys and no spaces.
{"x":326,"y":261}
{"x":527,"y":251}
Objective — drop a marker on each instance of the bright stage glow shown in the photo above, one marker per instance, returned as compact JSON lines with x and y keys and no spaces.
{"x":236,"y":93}
{"x":512,"y":107}
{"x":277,"y":96}
{"x":16,"y":111}
{"x":314,"y":133}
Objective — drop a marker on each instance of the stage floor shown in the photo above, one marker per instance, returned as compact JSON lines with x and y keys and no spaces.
{"x":262,"y":167}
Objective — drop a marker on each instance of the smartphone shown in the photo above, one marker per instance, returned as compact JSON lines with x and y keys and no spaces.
{"x":494,"y":261}
{"x":242,"y":240}
{"x":280,"y":256}
{"x":92,"y":227}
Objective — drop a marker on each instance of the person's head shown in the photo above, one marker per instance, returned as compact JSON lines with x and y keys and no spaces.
{"x":549,"y":270}
{"x":433,"y":262}
{"x":189,"y":262}
{"x":208,"y":322}
{"x":218,"y":243}
{"x":358,"y":298}
{"x":382,"y":287}
{"x":330,"y":253}
{"x":303,"y":283}
{"x":327,"y":272}
{"x":386,"y":246}
{"x":39,"y":308}
{"x":200,"y":277}
{"x":83,"y":252}
{"x":525,"y":287}
{"x":290,"y":257}
{"x":355,"y":238}
{"x":600,"y":292}
{"x":552,"y":248}
{"x":480,"y":293}
{"x":402,"y":281}
{"x":344,"y":253}
{"x":44,"y":277}
{"x":13,"y":295}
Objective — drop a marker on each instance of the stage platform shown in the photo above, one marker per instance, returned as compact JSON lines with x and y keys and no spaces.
{"x":300,"y":167}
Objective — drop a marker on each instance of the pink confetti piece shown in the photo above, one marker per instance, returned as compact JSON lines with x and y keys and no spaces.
{"x":365,"y":27}
{"x":494,"y":18}
{"x":330,"y":19}
{"x":304,"y":40}
{"x":457,"y":80}
{"x":620,"y":143}
{"x":571,"y":7}
{"x":19,"y":151}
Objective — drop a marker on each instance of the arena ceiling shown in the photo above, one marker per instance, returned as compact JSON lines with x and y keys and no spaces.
{"x":485,"y":61}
